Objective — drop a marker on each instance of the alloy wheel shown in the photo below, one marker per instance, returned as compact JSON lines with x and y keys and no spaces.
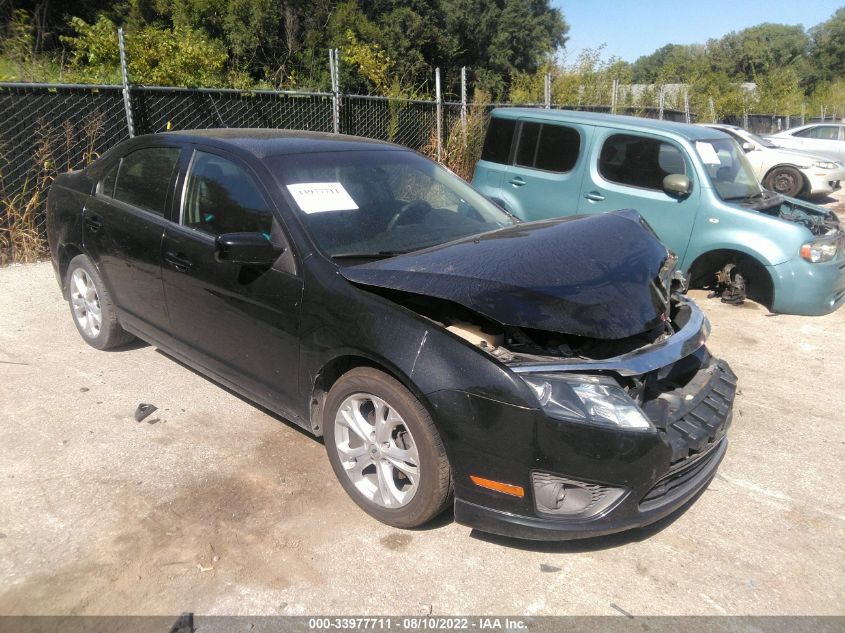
{"x":377,"y":450}
{"x":86,"y":303}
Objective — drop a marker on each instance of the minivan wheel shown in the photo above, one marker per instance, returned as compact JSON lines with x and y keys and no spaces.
{"x":786,"y":181}
{"x":91,"y":306}
{"x":385,"y":449}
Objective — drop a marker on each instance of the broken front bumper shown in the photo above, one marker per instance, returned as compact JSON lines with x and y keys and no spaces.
{"x":647,"y":475}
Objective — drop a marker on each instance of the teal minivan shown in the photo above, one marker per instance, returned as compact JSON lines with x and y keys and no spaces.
{"x":692,"y":184}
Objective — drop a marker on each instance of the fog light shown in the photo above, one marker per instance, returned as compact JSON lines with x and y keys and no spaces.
{"x":567,"y":497}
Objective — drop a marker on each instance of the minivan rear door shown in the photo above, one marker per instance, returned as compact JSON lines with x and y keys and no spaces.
{"x":543,"y":179}
{"x":626,"y":171}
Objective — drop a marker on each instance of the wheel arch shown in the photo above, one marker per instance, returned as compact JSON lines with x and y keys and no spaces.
{"x":706,"y":264}
{"x":339,"y":365}
{"x":806,"y":181}
{"x":66,"y":253}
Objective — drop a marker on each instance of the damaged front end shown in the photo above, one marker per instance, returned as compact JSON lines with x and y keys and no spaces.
{"x":631,"y":409}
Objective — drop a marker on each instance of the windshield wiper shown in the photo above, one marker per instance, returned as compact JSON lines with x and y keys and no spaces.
{"x":751,"y":197}
{"x":372,"y":255}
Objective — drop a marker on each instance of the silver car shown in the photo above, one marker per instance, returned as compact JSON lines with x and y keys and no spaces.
{"x":824,"y":139}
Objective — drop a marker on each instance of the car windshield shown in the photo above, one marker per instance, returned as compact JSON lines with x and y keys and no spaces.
{"x":729,"y":169}
{"x":382,"y":202}
{"x":759,"y":140}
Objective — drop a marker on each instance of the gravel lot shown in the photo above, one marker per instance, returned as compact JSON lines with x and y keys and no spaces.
{"x":221,"y":508}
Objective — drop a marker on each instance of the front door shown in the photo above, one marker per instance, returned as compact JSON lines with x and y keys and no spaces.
{"x":123,"y":225}
{"x":626,"y":172}
{"x":239,"y":321}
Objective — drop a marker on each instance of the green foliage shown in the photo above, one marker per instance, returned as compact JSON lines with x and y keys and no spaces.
{"x":178,"y":56}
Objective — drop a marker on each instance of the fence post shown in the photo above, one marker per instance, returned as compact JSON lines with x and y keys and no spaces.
{"x":687,"y":116}
{"x":712,"y":109}
{"x":613,"y":89}
{"x":464,"y":103}
{"x":127,"y":102}
{"x":803,"y":110}
{"x":745,"y":119}
{"x":335,"y":79}
{"x":547,"y":91}
{"x":660,"y":101}
{"x":439,"y":99}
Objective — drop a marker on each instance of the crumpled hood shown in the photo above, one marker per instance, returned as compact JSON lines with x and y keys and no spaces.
{"x":600,"y":276}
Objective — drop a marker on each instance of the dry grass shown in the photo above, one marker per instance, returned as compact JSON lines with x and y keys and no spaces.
{"x":23,"y":237}
{"x":463,"y":143}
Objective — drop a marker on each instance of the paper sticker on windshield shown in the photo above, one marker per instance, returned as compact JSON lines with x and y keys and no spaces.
{"x":708,"y":153}
{"x":317,"y":197}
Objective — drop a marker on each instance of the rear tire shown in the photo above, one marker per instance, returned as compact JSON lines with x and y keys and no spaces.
{"x":91,"y":306}
{"x":385,"y":450}
{"x":785,"y":180}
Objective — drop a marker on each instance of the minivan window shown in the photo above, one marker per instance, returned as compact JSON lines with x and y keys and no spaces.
{"x":143,"y":176}
{"x":548,"y":147}
{"x":497,"y":143}
{"x":223,"y":198}
{"x":639,"y":162}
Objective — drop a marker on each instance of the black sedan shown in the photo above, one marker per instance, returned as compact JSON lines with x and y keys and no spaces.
{"x":548,"y":377}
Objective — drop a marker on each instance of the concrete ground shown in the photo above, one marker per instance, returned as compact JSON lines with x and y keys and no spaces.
{"x":220,"y":508}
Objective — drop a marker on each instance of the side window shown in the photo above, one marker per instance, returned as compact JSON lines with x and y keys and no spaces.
{"x":222,"y":197}
{"x":639,"y":162}
{"x":106,"y":185}
{"x":143,"y":178}
{"x":548,"y":147}
{"x":497,"y":143}
{"x":824,"y":132}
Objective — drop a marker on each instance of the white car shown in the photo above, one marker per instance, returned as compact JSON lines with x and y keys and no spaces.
{"x":822,"y":139}
{"x":786,"y":171}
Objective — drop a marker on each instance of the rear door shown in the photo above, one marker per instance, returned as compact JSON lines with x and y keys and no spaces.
{"x":626,"y":171}
{"x":123,"y":225}
{"x":239,"y":321}
{"x":823,"y":140}
{"x":544,"y":177}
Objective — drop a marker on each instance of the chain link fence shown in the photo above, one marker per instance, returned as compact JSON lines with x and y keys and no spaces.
{"x":47,"y":129}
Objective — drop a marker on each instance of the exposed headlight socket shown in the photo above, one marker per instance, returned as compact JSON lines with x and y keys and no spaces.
{"x":575,"y":499}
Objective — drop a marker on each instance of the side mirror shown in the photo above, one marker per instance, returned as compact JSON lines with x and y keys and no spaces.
{"x":748,"y":147}
{"x":677,"y":185}
{"x":246,"y":248}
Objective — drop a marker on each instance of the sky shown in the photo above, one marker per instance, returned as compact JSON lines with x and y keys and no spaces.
{"x":632,"y":28}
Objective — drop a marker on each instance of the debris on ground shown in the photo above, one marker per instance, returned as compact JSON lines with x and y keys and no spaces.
{"x":621,"y":610}
{"x":730,"y":286}
{"x":549,"y":568}
{"x":144,"y":410}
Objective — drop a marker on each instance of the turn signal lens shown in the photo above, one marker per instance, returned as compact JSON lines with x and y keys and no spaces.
{"x":498,"y":486}
{"x":822,"y":249}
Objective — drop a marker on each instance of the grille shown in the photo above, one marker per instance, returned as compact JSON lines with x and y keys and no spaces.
{"x":681,"y":476}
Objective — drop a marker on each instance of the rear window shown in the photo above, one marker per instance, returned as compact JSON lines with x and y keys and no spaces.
{"x":639,"y":161}
{"x":144,"y":178}
{"x":497,"y":143}
{"x":548,"y":147}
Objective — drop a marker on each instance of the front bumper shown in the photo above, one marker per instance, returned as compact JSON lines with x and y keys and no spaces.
{"x":658,"y":471}
{"x":808,"y":289}
{"x":822,"y":183}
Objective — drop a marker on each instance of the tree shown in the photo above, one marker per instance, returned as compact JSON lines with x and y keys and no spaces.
{"x":827,"y":48}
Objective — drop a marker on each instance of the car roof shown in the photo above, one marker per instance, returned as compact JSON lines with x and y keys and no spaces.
{"x":264,"y":142}
{"x":632,"y":123}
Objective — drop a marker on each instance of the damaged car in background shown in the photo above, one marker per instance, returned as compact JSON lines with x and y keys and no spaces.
{"x":694,"y":186}
{"x":547,"y":378}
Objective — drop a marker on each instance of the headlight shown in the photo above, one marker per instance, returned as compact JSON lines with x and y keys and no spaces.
{"x":822,"y":249}
{"x":823,"y":164}
{"x":589,"y":399}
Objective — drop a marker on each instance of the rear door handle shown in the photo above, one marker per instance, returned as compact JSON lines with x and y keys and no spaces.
{"x":93,"y":224}
{"x":517,"y":181}
{"x":594,"y":196}
{"x":181,"y":264}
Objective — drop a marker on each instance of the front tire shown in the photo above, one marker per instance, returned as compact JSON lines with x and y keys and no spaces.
{"x":385,"y":450}
{"x":786,"y":181}
{"x":91,"y":306}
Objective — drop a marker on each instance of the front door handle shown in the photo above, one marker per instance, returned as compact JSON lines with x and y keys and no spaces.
{"x":93,"y":224}
{"x":178,"y":262}
{"x":594,"y":196}
{"x":517,"y":181}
